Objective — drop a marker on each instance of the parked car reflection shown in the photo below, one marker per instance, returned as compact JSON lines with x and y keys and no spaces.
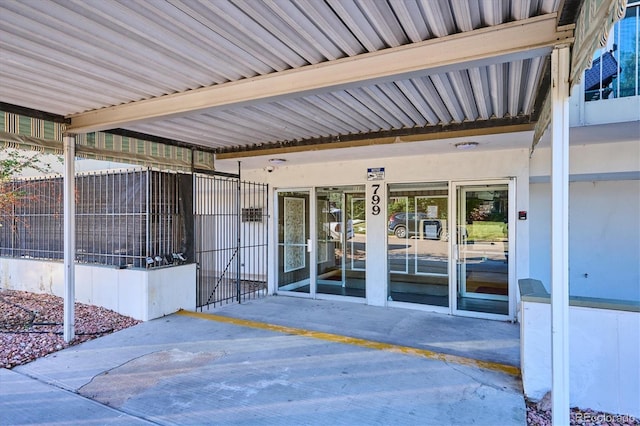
{"x":406,"y":225}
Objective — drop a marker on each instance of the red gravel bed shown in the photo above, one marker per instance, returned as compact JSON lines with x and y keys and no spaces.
{"x":540,"y":415}
{"x":31,"y":325}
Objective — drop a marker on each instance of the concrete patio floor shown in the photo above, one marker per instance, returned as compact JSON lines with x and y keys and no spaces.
{"x":279,"y":361}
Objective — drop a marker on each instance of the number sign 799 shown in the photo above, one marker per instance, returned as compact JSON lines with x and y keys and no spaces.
{"x":375,"y":200}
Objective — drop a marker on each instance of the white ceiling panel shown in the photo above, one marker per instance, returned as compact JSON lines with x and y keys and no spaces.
{"x":413,"y":95}
{"x":404,"y":105}
{"x":461,"y":85}
{"x":480,"y":87}
{"x":432,"y":99}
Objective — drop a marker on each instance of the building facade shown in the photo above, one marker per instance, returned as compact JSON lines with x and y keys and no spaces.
{"x":424,"y":220}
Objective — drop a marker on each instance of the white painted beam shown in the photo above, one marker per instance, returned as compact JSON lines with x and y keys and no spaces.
{"x":560,"y":59}
{"x":501,"y":43}
{"x":69,"y":217}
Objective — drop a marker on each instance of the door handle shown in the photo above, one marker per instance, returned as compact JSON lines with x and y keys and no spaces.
{"x":309,"y":246}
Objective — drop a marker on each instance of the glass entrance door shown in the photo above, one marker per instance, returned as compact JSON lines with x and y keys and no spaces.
{"x":293,"y":241}
{"x":341,"y":241}
{"x":481,"y":248}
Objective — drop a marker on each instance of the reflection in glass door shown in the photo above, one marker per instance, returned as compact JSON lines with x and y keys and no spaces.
{"x":418,"y":247}
{"x":482,"y":248}
{"x":293,"y":241}
{"x":341,"y":242}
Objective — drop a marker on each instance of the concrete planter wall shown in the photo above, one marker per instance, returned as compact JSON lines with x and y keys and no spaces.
{"x":604,"y":352}
{"x":138,"y":293}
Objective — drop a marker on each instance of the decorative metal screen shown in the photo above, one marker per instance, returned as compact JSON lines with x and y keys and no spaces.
{"x":31,"y":219}
{"x":146,"y":219}
{"x":123,"y":218}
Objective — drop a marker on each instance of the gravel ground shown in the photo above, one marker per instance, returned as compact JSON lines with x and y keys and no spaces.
{"x":31,"y":327}
{"x":539,"y":414}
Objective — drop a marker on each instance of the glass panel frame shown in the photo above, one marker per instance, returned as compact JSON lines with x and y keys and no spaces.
{"x":357,"y":245}
{"x":293,"y":236}
{"x":432,"y":228}
{"x":418,"y":255}
{"x":487,"y":258}
{"x":401,"y":207}
{"x":340,"y":245}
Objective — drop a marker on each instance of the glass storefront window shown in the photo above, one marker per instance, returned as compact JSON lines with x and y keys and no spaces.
{"x":418,"y":249}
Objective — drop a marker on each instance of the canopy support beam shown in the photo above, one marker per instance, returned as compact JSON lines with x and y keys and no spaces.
{"x":518,"y":40}
{"x":69,"y":143}
{"x":560,"y":58}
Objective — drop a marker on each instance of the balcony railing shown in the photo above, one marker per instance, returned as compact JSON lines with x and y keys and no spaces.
{"x":615,"y":72}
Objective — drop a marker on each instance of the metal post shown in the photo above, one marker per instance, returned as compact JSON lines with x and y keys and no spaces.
{"x":148,"y":214}
{"x":265,"y":231}
{"x":343,"y":227}
{"x":69,"y":216}
{"x":560,"y":235}
{"x":239,"y":224}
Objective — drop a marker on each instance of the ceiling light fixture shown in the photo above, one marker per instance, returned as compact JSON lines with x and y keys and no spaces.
{"x":466,"y":145}
{"x":277,"y":160}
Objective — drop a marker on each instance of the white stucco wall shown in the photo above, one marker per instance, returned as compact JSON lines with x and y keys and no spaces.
{"x":170,"y":289}
{"x":138,"y":293}
{"x":417,"y":168}
{"x":604,"y":357}
{"x":604,"y":224}
{"x":608,"y":157}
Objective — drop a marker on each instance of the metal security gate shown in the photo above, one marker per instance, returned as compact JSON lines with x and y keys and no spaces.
{"x":230,"y":232}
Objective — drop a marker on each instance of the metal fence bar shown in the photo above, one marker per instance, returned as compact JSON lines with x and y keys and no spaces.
{"x":122,"y":218}
{"x":230,"y":247}
{"x":238,"y":234}
{"x":125,"y":218}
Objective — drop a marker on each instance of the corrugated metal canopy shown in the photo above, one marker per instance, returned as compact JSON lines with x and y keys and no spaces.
{"x":242,"y":74}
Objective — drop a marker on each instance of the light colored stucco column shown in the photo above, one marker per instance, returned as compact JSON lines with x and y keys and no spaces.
{"x":69,"y":217}
{"x":560,"y":57}
{"x":376,"y":215}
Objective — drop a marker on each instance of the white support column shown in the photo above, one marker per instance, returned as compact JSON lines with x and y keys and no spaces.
{"x":376,"y":275}
{"x":560,"y":60}
{"x":69,"y":216}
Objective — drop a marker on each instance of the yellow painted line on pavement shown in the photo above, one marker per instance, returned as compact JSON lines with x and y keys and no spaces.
{"x":370,"y":344}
